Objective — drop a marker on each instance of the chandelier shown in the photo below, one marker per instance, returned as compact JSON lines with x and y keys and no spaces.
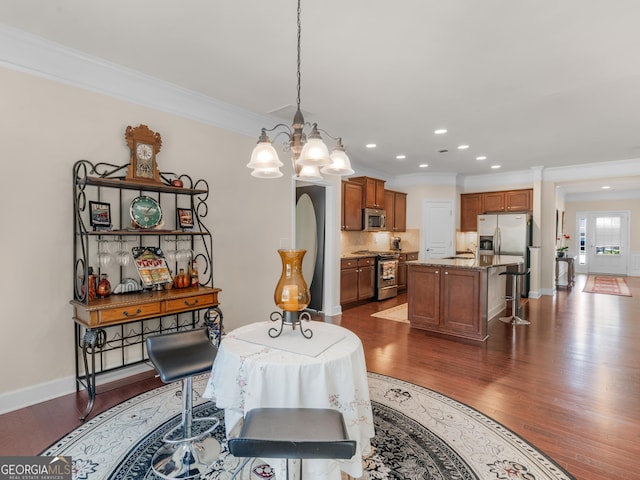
{"x":310,"y":155}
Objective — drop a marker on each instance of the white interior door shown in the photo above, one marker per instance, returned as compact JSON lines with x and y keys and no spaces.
{"x":437,"y":230}
{"x":604,"y":242}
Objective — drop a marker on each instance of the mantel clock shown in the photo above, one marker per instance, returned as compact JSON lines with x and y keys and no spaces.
{"x":144,"y":145}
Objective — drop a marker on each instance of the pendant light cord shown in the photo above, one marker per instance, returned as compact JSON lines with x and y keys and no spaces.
{"x":298,"y":64}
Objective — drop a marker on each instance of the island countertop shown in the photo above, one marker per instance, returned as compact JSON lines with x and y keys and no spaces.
{"x":481,"y":262}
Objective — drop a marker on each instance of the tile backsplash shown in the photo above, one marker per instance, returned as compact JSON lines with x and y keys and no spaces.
{"x":353,"y":241}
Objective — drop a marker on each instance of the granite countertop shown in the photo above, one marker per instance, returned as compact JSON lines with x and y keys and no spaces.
{"x":480,"y":263}
{"x":367,"y":253}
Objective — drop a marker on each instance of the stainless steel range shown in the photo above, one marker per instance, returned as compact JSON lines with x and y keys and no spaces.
{"x":386,"y":275}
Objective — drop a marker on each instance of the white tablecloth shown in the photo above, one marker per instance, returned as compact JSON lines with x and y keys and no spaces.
{"x":248,"y":374}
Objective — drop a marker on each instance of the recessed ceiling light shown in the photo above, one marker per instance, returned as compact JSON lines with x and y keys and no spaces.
{"x":370,"y":145}
{"x":495,"y":167}
{"x":401,"y":157}
{"x":481,"y":157}
{"x":423,"y":165}
{"x":440,"y":131}
{"x":606,"y":187}
{"x":463,"y":147}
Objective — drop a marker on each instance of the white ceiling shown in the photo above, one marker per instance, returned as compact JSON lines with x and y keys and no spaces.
{"x":526,"y":83}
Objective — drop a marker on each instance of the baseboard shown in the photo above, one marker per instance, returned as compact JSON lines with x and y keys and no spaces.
{"x":498,"y":309}
{"x":42,"y":392}
{"x":534,"y":294}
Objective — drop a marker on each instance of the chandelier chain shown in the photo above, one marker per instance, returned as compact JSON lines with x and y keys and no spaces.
{"x":298,"y":63}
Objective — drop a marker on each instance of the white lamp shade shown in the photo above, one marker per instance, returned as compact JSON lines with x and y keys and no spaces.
{"x":266,"y":173}
{"x":314,"y":153}
{"x":340,"y":164}
{"x":309,"y":173}
{"x":264,"y":156}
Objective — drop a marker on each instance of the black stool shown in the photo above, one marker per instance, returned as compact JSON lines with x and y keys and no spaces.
{"x":514,"y":319}
{"x":179,"y":356}
{"x":292,"y":433}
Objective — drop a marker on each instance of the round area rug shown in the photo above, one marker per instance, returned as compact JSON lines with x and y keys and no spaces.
{"x":420,"y":434}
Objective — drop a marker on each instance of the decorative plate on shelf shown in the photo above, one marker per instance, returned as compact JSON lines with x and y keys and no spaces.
{"x":152,"y":266}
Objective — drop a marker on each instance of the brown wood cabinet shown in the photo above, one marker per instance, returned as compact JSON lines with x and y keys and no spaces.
{"x":471,"y":205}
{"x":450,"y":301}
{"x":357,"y":279}
{"x":373,"y":193}
{"x":351,"y":206}
{"x":518,"y":200}
{"x":395,"y":204}
{"x":474,"y":204}
{"x":402,"y":268}
{"x":494,"y":202}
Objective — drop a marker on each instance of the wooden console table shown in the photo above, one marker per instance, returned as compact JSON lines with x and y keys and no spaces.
{"x":92,"y":320}
{"x":570,"y":261}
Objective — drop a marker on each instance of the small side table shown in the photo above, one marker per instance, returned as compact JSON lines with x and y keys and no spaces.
{"x":570,"y":270}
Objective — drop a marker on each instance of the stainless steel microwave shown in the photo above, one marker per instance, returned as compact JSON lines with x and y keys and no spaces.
{"x":374,"y":219}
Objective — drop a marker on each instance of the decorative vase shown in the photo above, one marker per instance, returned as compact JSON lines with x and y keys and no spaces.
{"x":104,"y":287}
{"x":560,"y":254}
{"x":292,"y":293}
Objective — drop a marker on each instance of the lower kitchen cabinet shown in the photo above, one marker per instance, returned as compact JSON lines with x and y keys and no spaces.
{"x":402,"y":268}
{"x":451,"y":301}
{"x":357,"y":279}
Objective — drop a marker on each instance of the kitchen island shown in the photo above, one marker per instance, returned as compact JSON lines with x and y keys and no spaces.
{"x":454,"y":296}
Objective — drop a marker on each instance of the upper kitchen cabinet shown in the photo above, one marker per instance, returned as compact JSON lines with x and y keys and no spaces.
{"x":494,"y":202}
{"x":474,"y":204}
{"x":395,"y":204}
{"x":373,"y":194}
{"x":351,"y":206}
{"x":471,"y":205}
{"x":519,"y":200}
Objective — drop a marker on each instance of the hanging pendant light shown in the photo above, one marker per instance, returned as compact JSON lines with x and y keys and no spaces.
{"x":310,"y":155}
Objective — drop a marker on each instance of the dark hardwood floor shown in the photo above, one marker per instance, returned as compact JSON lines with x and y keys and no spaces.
{"x":569,"y":383}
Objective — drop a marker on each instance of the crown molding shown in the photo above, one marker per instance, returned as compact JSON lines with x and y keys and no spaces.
{"x":588,"y":171}
{"x":35,"y":55}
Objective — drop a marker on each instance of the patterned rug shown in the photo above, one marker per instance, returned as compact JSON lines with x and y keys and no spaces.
{"x":607,"y":284}
{"x":399,"y":313}
{"x":420,"y":434}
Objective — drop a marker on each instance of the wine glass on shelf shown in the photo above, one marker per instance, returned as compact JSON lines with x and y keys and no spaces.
{"x":105,"y":256}
{"x":123,"y":255}
{"x":171,"y":254}
{"x":185,"y":253}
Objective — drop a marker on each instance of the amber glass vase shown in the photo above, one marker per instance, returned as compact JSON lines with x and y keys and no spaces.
{"x":292,"y":293}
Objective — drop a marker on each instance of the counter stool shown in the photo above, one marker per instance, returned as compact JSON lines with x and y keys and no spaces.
{"x":292,"y":433}
{"x":514,"y":319}
{"x":179,"y":356}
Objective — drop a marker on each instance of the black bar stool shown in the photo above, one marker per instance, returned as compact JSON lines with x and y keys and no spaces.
{"x":514,"y":319}
{"x":292,"y":433}
{"x":179,"y":356}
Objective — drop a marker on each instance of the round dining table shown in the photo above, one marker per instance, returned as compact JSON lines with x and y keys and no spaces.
{"x":328,"y":370}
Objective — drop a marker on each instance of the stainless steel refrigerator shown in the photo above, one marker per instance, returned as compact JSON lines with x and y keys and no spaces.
{"x":506,"y":234}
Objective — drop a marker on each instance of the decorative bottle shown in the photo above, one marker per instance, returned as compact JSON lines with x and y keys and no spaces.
{"x":194,"y":273}
{"x":104,"y":287}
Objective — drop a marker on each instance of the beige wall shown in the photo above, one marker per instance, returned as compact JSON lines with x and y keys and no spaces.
{"x":46,"y":127}
{"x":632,"y":205}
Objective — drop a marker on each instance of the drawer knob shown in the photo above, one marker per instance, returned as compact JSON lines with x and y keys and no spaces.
{"x":127,"y":314}
{"x":191,"y":304}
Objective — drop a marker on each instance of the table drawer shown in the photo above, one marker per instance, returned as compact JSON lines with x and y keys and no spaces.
{"x":128,"y":313}
{"x":190,"y":303}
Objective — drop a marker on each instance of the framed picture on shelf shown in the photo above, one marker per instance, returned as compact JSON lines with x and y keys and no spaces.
{"x":100,"y":215}
{"x":185,"y":218}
